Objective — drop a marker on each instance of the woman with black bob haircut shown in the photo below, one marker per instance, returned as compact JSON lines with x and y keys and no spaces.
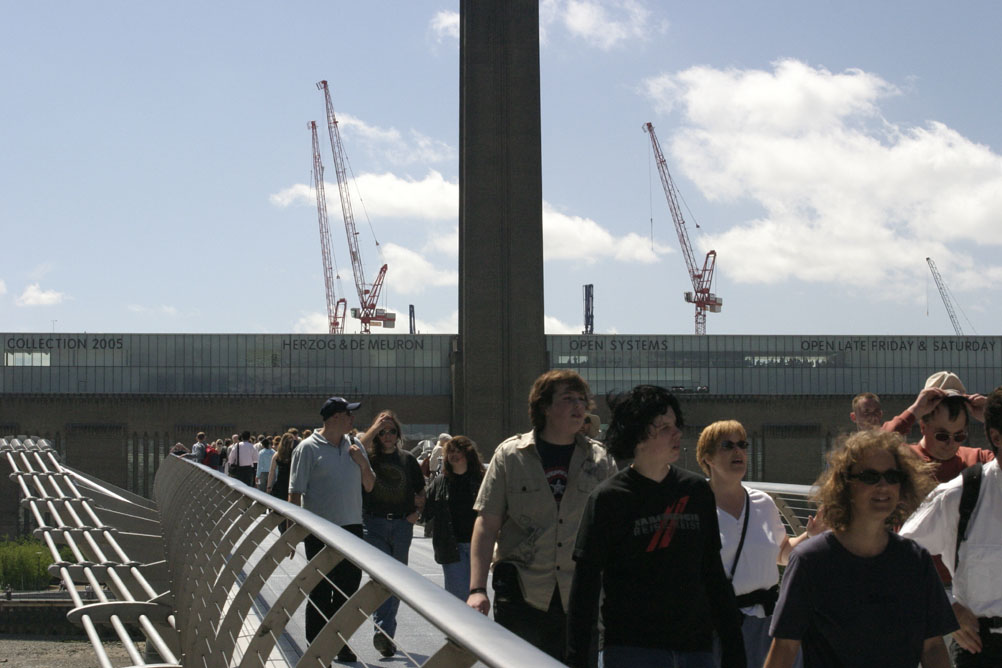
{"x":649,"y":539}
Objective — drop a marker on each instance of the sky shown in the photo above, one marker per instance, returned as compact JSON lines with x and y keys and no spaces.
{"x":155,"y":163}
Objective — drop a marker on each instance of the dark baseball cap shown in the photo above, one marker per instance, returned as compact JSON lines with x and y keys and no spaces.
{"x":338,"y":405}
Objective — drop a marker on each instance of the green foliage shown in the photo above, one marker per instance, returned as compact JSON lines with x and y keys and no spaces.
{"x":23,"y":564}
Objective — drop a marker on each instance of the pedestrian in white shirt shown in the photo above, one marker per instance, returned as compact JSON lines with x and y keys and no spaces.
{"x":975,"y":560}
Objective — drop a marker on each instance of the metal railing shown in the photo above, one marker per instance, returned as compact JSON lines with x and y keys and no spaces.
{"x":213,"y":574}
{"x":239,"y":583}
{"x":117,"y":551}
{"x":793,"y":501}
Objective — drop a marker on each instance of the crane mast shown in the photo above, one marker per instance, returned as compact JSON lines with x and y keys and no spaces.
{"x":335,"y":307}
{"x":945,"y":294}
{"x":702,"y":279}
{"x":368,"y":294}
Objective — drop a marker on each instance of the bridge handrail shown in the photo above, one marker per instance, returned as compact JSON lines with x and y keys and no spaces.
{"x":50,"y":489}
{"x":182,"y":485}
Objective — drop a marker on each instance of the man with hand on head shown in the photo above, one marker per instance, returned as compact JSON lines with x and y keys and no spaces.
{"x":972,"y":553}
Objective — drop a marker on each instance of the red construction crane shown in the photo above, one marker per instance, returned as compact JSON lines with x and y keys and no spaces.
{"x":335,"y":307}
{"x":368,"y":294}
{"x":944,"y":292}
{"x":702,"y":279}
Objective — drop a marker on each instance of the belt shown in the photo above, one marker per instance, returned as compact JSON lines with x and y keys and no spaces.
{"x":386,"y":516}
{"x":765,"y":597}
{"x":990,"y":622}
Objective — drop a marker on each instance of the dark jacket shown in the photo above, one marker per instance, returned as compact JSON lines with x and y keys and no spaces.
{"x":436,"y":507}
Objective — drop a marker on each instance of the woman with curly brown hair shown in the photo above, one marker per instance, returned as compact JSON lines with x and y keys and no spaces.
{"x":860,"y":595}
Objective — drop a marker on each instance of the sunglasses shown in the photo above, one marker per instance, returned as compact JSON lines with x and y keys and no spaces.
{"x":730,"y":445}
{"x":872,"y":477}
{"x":391,"y":432}
{"x":944,"y":437}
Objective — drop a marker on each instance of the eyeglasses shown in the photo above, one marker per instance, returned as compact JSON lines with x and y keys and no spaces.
{"x":872,"y":477}
{"x":391,"y":431}
{"x":730,"y":445}
{"x":944,"y":437}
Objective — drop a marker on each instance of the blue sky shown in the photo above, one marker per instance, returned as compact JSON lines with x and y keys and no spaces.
{"x":156,"y":163}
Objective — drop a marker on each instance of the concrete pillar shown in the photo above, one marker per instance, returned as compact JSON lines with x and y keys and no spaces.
{"x":501,"y":346}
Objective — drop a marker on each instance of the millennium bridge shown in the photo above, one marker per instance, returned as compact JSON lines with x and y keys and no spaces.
{"x":212,"y":572}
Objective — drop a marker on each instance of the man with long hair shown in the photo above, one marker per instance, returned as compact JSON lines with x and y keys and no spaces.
{"x":530,"y":505}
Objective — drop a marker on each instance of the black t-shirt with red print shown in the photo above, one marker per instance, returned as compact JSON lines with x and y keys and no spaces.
{"x":653,"y":548}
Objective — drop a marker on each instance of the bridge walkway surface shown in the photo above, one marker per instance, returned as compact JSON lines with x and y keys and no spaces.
{"x":214,"y":573}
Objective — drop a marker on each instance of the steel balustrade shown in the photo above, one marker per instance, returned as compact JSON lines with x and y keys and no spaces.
{"x":212,"y":577}
{"x":237,"y":586}
{"x":102,"y":526}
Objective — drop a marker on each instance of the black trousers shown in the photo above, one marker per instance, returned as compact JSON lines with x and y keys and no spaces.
{"x":990,"y":655}
{"x":325,"y":597}
{"x":544,"y":629}
{"x":244,"y":474}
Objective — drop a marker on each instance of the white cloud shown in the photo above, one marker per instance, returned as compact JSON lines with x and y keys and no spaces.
{"x":391,"y":145}
{"x":847,"y":197}
{"x":446,"y":325}
{"x":39,"y":271}
{"x":447,"y":244}
{"x":3,"y":288}
{"x":604,"y":24}
{"x":607,"y":25}
{"x":33,"y":295}
{"x":163,"y":309}
{"x":411,"y":273}
{"x":385,"y":195}
{"x":445,"y":24}
{"x":552,"y":325}
{"x":565,"y":236}
{"x":312,"y":323}
{"x":568,"y":237}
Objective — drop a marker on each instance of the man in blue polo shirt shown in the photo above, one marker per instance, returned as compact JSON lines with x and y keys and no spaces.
{"x":329,"y":470}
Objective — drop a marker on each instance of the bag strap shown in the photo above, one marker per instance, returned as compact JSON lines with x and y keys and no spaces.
{"x":968,"y":500}
{"x":744,"y":532}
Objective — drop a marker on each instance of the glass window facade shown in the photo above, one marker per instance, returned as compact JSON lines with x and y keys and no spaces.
{"x":778,"y":365}
{"x":245,"y":364}
{"x":268,"y":364}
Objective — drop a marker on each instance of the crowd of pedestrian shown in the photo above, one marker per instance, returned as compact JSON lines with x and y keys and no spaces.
{"x":609,"y":554}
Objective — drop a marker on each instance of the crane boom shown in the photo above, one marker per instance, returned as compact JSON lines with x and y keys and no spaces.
{"x":944,"y":293}
{"x":335,"y":307}
{"x":368,"y":295}
{"x":702,"y":279}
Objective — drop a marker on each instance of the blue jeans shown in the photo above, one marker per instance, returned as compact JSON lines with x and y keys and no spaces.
{"x":457,"y":574}
{"x":624,"y":656}
{"x":394,"y":538}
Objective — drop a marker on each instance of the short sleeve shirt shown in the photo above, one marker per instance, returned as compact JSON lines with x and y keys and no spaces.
{"x":398,"y":479}
{"x":861,"y":612}
{"x":756,"y":568}
{"x":329,"y":480}
{"x":537,"y":535}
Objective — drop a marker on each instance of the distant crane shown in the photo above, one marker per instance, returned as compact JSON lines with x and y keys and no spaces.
{"x":945,"y":294}
{"x":702,"y":279}
{"x":335,"y":307}
{"x":368,"y":294}
{"x":589,"y":309}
